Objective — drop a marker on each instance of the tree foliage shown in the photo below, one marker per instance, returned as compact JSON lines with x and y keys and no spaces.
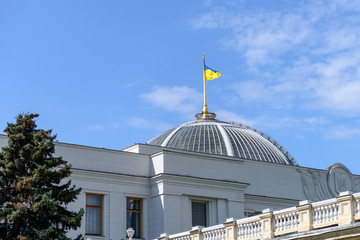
{"x":33,"y":192}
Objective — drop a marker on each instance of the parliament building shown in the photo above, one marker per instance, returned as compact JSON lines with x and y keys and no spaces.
{"x":204,"y":175}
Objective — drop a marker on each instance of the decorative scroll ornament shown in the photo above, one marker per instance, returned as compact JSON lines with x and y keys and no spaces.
{"x":320,"y":185}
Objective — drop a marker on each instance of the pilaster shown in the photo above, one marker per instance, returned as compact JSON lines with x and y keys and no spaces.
{"x":305,"y":216}
{"x":195,"y":233}
{"x":230,"y":228}
{"x":346,"y":208}
{"x":267,"y":225}
{"x":163,"y":236}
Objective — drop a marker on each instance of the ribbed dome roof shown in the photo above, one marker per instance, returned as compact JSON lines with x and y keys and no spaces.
{"x":216,"y":137}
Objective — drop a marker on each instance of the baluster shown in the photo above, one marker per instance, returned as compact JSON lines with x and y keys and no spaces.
{"x":283,"y":222}
{"x":280,"y":223}
{"x":241,"y":231}
{"x":332,"y":213}
{"x":316,"y":215}
{"x":252,"y":229}
{"x":291,"y":222}
{"x":284,"y":218}
{"x":247,"y":230}
{"x":326,"y":214}
{"x":322,"y":214}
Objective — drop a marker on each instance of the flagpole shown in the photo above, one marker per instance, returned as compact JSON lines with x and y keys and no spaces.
{"x":205,"y":109}
{"x":205,"y":114}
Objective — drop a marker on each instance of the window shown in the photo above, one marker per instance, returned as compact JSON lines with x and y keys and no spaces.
{"x":93,"y":216}
{"x":251,"y":213}
{"x":133,"y":215}
{"x":199,"y":213}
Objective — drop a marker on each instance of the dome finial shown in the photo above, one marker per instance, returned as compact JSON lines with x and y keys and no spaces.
{"x":208,"y":74}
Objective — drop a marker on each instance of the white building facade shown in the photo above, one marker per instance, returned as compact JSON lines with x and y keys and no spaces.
{"x":200,"y":173}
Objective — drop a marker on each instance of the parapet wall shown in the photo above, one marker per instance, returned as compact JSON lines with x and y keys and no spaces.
{"x":340,"y":211}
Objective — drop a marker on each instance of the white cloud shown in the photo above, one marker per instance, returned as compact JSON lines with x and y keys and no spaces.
{"x":339,"y":66}
{"x":260,"y":36}
{"x":253,"y":90}
{"x":315,"y":121}
{"x":97,"y":127}
{"x":180,"y":99}
{"x":226,"y":115}
{"x":306,"y":54}
{"x":273,"y":122}
{"x":338,"y":85}
{"x":344,"y":133}
{"x":344,"y":97}
{"x":149,"y":124}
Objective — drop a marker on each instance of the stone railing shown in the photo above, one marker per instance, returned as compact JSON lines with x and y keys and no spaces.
{"x":342,"y":210}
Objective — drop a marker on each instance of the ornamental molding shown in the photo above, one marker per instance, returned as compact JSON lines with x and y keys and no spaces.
{"x":339,"y":179}
{"x":321,"y":184}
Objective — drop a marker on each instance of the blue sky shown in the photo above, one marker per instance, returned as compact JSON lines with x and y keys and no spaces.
{"x":114,"y":73}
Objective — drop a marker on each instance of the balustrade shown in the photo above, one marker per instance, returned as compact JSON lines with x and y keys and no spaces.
{"x":286,"y":221}
{"x":336,"y":211}
{"x":250,"y":228}
{"x":214,"y":233}
{"x":357,"y":206}
{"x":325,"y":212}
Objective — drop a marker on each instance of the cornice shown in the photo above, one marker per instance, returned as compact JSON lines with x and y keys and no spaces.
{"x":107,"y":177}
{"x":191,"y":181}
{"x":249,"y":198}
{"x":199,"y":155}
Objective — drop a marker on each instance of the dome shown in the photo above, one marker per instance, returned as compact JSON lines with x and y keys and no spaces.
{"x":231,"y":139}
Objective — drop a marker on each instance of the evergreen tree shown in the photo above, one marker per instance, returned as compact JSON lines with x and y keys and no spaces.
{"x":33,"y":192}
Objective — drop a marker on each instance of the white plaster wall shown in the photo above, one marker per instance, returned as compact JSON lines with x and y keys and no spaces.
{"x":167,"y":201}
{"x":175,"y":193}
{"x":201,"y":166}
{"x":97,"y":159}
{"x":236,"y":209}
{"x":222,"y":210}
{"x":115,"y":189}
{"x":185,"y":213}
{"x":274,"y":180}
{"x":172,"y":213}
{"x":156,"y":216}
{"x":157,"y":164}
{"x":256,"y":205}
{"x":143,"y":149}
{"x":266,"y":179}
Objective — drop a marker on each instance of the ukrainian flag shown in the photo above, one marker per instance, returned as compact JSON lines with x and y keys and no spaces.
{"x":211,"y":73}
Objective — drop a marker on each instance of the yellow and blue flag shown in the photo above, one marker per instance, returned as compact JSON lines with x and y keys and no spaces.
{"x":211,"y":73}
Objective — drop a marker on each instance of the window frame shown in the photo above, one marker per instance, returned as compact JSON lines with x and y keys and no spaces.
{"x":207,"y":211}
{"x":95,"y":207}
{"x":135,"y":211}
